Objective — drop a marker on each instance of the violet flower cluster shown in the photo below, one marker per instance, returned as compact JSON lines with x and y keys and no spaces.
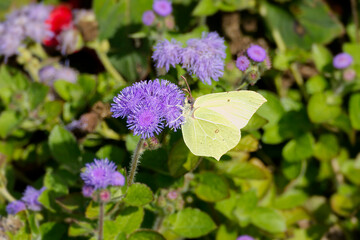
{"x":162,"y":8}
{"x":28,"y":201}
{"x":49,"y":74}
{"x":202,"y":57}
{"x":27,"y":22}
{"x":149,"y":106}
{"x":100,"y":174}
{"x":245,"y":237}
{"x":255,"y":55}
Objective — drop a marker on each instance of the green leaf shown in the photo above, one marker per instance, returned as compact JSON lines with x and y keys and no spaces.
{"x":68,"y":91}
{"x":327,"y":147}
{"x":9,"y":120}
{"x":80,"y":229}
{"x":64,"y":148}
{"x":181,"y":160}
{"x":245,"y":170}
{"x":268,"y":219}
{"x":343,"y":205}
{"x":190,"y":223}
{"x":107,"y":14}
{"x":138,"y":194}
{"x":37,"y":93}
{"x":299,"y":148}
{"x":205,"y":8}
{"x":146,"y":235}
{"x":290,"y":199}
{"x":211,"y":187}
{"x":226,"y":232}
{"x":92,"y":210}
{"x":47,"y":199}
{"x":316,"y":84}
{"x":323,"y":107}
{"x":129,"y":219}
{"x":272,"y":110}
{"x":111,"y":152}
{"x":354,"y":110}
{"x":245,"y":204}
{"x":52,"y":231}
{"x":53,"y":181}
{"x":322,"y":57}
{"x":227,"y":206}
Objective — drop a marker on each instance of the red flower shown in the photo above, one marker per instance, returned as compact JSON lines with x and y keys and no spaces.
{"x":59,"y":19}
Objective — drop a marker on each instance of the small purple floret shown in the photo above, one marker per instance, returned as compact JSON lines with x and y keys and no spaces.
{"x":118,"y":179}
{"x":99,"y":173}
{"x":149,"y":106}
{"x":245,"y":237}
{"x":148,"y":18}
{"x":15,"y":207}
{"x":30,"y":198}
{"x":242,"y":63}
{"x":342,"y":60}
{"x":256,"y":53}
{"x":167,"y":53}
{"x":162,"y":7}
{"x":87,"y":190}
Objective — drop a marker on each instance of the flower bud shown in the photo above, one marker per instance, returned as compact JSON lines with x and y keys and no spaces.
{"x":105,"y":195}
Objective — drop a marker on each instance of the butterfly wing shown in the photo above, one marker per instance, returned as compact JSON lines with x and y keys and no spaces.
{"x":236,"y":106}
{"x":210,"y":138}
{"x":212,"y":128}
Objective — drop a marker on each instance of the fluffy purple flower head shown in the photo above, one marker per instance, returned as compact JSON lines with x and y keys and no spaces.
{"x":30,"y":198}
{"x":99,"y":173}
{"x":148,"y":17}
{"x":205,"y":57}
{"x":256,"y":53}
{"x":242,"y":63}
{"x":342,"y":60}
{"x":167,"y":53}
{"x":149,"y":106}
{"x":66,"y":73}
{"x":9,"y":44}
{"x":245,"y":237}
{"x":162,"y":7}
{"x":38,"y":31}
{"x":118,"y":179}
{"x":15,"y":207}
{"x":68,"y":40}
{"x":87,"y":190}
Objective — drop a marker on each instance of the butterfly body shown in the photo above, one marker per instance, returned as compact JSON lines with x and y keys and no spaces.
{"x":213,"y":122}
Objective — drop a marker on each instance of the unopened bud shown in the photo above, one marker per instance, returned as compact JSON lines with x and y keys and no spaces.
{"x":105,"y":195}
{"x":349,"y":75}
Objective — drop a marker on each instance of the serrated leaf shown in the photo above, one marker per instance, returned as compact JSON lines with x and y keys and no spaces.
{"x":211,"y":187}
{"x":138,"y":194}
{"x":146,"y":235}
{"x":129,"y":219}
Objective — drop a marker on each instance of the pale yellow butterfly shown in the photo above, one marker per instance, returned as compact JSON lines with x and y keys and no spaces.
{"x":213,"y":121}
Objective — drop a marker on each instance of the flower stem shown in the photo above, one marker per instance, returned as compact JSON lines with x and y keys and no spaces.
{"x":101,"y":220}
{"x":134,"y":161}
{"x":4,"y":192}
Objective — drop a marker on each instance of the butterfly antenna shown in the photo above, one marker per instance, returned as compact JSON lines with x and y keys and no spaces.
{"x":187,"y":84}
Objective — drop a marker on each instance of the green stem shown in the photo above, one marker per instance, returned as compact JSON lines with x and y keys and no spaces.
{"x":134,"y":162}
{"x":356,"y":19}
{"x":4,"y":192}
{"x":109,"y":67}
{"x":101,"y":221}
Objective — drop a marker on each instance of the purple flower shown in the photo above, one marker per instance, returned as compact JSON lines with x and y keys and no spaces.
{"x":245,"y":237}
{"x":118,"y":179}
{"x":66,"y":73}
{"x":148,"y":17}
{"x":15,"y":207}
{"x":30,"y":198}
{"x":68,"y":41}
{"x":149,"y":105}
{"x":256,"y":53}
{"x":342,"y":60}
{"x":38,"y":31}
{"x":205,"y":57}
{"x":87,"y":190}
{"x":99,"y":173}
{"x":167,"y":53}
{"x":47,"y":74}
{"x":242,"y":63}
{"x":162,"y":7}
{"x":9,"y":44}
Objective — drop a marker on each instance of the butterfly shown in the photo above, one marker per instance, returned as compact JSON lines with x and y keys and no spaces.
{"x":213,"y":121}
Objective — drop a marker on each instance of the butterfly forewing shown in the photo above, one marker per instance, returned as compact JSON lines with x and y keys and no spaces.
{"x":237,"y":106}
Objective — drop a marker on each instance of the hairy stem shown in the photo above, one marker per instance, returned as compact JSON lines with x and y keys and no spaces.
{"x":101,"y":221}
{"x":134,"y":162}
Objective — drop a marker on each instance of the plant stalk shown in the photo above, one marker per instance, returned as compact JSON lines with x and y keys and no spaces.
{"x":134,"y":161}
{"x":356,"y":19}
{"x":4,"y":192}
{"x":101,"y":221}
